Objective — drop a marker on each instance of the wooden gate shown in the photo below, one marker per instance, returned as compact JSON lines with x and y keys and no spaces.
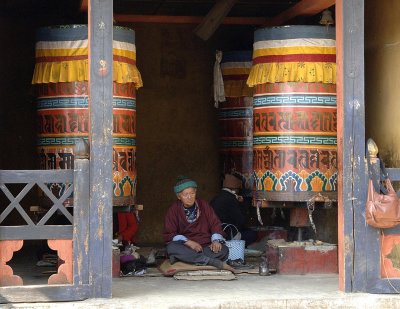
{"x":71,"y":282}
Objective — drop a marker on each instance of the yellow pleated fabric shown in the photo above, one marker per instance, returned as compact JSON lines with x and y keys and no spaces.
{"x":308,"y":72}
{"x":54,"y":65}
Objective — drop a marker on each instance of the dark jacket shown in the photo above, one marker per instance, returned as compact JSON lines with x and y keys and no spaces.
{"x":228,"y":209}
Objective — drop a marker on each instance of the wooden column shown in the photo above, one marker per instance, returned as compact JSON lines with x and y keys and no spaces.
{"x":351,"y":144}
{"x":100,"y":142}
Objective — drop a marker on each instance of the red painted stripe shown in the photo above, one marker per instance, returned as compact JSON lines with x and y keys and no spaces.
{"x":295,"y":58}
{"x":61,"y":58}
{"x":82,"y":57}
{"x":124,"y":59}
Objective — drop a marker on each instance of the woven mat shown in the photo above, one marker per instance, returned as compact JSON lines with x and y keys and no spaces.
{"x":196,"y":275}
{"x":169,"y":270}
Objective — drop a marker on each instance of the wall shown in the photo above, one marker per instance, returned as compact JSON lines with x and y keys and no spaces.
{"x":177,"y":125}
{"x":382,"y":80}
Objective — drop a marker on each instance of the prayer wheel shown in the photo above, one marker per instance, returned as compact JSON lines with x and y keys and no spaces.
{"x":294,"y":108}
{"x":236,"y":118}
{"x":60,"y":81}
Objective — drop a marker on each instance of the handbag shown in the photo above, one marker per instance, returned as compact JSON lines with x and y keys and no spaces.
{"x":235,"y":245}
{"x":382,"y":209}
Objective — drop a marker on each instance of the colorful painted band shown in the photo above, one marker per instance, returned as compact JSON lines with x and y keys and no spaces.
{"x":296,"y":119}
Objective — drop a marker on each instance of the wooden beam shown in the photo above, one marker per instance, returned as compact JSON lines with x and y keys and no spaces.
{"x":84,"y":5}
{"x":214,"y":19}
{"x":302,"y":8}
{"x":100,"y":37}
{"x":168,"y":19}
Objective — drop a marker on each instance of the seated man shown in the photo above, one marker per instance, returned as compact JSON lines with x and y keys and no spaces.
{"x":192,"y":231}
{"x":125,"y":226}
{"x":230,"y":209}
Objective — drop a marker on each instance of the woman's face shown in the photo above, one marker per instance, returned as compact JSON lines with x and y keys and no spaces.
{"x":187,"y":196}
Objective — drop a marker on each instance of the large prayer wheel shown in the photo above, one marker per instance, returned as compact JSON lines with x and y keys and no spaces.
{"x":61,"y":86}
{"x":294,"y":106}
{"x":236,"y":118}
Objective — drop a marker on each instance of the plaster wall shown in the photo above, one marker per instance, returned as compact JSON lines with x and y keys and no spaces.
{"x":382,"y":79}
{"x":177,"y":124}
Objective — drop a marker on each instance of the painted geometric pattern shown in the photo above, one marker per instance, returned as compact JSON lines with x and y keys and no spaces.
{"x":237,"y":143}
{"x":124,"y":187}
{"x":64,"y":140}
{"x":299,"y":140}
{"x":124,"y":103}
{"x":294,"y":99}
{"x":236,"y":113}
{"x":124,"y":141}
{"x":303,"y":181}
{"x":80,"y":102}
{"x":62,"y":102}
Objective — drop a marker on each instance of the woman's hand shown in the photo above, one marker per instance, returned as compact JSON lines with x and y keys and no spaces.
{"x":194,"y":245}
{"x":215,"y":246}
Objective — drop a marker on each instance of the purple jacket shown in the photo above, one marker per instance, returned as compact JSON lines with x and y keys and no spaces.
{"x":199,"y":231}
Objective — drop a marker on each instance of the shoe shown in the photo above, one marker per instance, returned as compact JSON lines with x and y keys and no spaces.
{"x":239,"y":264}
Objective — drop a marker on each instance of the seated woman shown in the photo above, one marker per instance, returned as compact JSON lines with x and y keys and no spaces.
{"x":192,"y":231}
{"x":125,"y":226}
{"x":231,"y":209}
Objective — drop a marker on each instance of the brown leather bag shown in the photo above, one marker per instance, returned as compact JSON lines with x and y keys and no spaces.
{"x":382,"y":210}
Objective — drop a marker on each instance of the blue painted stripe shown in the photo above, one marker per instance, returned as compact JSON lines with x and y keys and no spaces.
{"x":124,"y":141}
{"x":123,"y":34}
{"x":80,"y":102}
{"x":295,"y":140}
{"x":80,"y":32}
{"x":237,"y":144}
{"x":54,"y":141}
{"x":62,"y":33}
{"x":236,"y":113}
{"x":313,"y":100}
{"x":237,"y":56}
{"x":62,"y":102}
{"x":124,"y":103}
{"x":71,"y":140}
{"x":295,"y":32}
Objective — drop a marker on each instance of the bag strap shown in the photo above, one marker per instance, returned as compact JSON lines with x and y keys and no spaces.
{"x":227,"y":225}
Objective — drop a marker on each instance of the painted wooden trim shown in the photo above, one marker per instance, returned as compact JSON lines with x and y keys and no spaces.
{"x":43,"y":293}
{"x":64,"y":253}
{"x":81,"y":222}
{"x":168,"y":19}
{"x":36,"y":232}
{"x":26,"y":176}
{"x":100,"y":36}
{"x":302,"y":8}
{"x":7,"y":249}
{"x":351,"y":148}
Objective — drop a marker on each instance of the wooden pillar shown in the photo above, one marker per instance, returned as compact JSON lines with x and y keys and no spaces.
{"x":351,"y":143}
{"x":100,"y":142}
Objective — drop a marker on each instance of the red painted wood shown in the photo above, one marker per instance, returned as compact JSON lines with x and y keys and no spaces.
{"x":300,"y":260}
{"x":299,"y":217}
{"x":390,"y":250}
{"x":7,"y":249}
{"x":340,"y":126}
{"x":64,"y":251}
{"x":116,"y":267}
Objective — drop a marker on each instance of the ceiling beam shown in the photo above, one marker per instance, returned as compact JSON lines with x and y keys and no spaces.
{"x":214,"y":18}
{"x":167,"y":19}
{"x":84,"y":5}
{"x":302,"y":8}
